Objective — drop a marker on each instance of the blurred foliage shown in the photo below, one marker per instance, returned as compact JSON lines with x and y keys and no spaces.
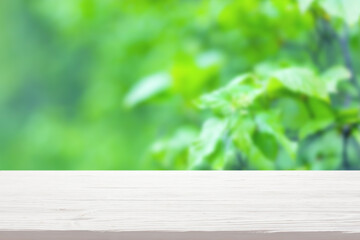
{"x":207,"y":84}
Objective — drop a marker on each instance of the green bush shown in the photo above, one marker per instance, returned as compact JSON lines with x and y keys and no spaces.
{"x":211,"y":84}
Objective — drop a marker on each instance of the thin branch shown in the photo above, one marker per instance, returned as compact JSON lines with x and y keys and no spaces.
{"x":344,"y":44}
{"x":346,"y":131}
{"x":345,"y":140}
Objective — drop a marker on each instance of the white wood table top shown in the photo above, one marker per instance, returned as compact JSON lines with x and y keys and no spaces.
{"x":246,"y":205}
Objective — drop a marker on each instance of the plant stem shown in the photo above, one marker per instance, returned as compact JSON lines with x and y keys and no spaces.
{"x":345,"y":140}
{"x":344,"y":44}
{"x":346,"y":131}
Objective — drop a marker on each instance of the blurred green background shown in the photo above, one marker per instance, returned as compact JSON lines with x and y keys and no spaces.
{"x":115,"y":84}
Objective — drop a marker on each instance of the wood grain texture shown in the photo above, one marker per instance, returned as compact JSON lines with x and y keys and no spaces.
{"x":179,"y":205}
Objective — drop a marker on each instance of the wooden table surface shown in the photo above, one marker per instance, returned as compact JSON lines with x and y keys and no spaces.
{"x":239,"y":205}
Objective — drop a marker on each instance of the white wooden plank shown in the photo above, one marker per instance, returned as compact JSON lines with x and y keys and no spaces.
{"x":179,"y":205}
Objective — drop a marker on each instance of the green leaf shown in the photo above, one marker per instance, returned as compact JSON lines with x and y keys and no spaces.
{"x":325,"y":152}
{"x":173,"y":151}
{"x":356,"y":135}
{"x":304,"y":4}
{"x":319,"y":109}
{"x":293,"y":112}
{"x":270,"y":123}
{"x":240,"y":93}
{"x":348,"y":10}
{"x":211,"y":133}
{"x":266,"y":143}
{"x":314,"y":126}
{"x":219,"y":160}
{"x":333,"y":76}
{"x":348,"y":116}
{"x":242,"y":138}
{"x":147,"y":88}
{"x":301,"y":80}
{"x":219,"y":101}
